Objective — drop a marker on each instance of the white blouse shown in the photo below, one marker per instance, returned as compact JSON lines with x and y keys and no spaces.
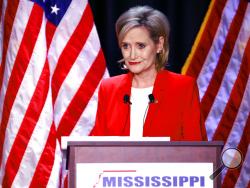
{"x":139,"y":109}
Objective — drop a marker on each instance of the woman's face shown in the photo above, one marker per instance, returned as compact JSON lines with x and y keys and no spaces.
{"x":139,"y":50}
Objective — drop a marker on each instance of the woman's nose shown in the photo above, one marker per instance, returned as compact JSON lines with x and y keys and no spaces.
{"x":133,"y":54}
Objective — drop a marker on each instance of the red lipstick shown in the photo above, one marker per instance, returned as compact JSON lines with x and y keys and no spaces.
{"x":133,"y":63}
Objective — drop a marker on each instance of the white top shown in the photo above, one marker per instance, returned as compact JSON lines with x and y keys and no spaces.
{"x":138,"y":110}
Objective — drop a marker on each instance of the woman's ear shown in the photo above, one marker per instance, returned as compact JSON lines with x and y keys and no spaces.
{"x":160,"y":45}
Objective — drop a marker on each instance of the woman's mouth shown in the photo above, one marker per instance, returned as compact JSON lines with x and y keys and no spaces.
{"x":133,"y":63}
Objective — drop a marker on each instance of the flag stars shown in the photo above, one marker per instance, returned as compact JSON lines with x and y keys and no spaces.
{"x":55,"y":9}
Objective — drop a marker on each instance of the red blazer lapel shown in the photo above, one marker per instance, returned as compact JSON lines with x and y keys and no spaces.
{"x":124,"y":110}
{"x":158,"y":93}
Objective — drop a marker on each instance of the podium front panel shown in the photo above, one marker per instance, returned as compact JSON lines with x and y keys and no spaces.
{"x":143,"y":152}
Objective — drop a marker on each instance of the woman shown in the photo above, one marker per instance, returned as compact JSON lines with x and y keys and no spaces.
{"x":148,"y":101}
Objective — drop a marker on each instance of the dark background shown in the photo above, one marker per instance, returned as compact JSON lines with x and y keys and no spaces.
{"x":185,"y":17}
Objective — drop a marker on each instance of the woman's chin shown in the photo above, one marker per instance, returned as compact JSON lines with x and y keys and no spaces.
{"x":135,"y":71}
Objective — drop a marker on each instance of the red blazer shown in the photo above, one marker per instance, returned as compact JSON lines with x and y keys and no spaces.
{"x":176,"y":112}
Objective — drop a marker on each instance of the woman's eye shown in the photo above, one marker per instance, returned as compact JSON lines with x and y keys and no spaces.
{"x":141,"y":45}
{"x":125,"y":46}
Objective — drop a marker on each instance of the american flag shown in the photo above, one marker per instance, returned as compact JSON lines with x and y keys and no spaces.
{"x":51,"y":67}
{"x":220,"y":61}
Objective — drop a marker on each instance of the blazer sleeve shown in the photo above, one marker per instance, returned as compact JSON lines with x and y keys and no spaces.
{"x":99,"y":127}
{"x":193,"y":124}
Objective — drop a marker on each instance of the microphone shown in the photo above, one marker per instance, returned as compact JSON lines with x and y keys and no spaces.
{"x":126,"y":99}
{"x":152,"y":99}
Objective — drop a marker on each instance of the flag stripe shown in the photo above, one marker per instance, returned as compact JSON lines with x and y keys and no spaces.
{"x":23,"y":98}
{"x":26,"y":118}
{"x":80,"y":100}
{"x":244,"y":177}
{"x":11,"y":10}
{"x":202,"y":49}
{"x":50,"y":31}
{"x":36,"y":146}
{"x":1,"y":5}
{"x":240,"y":122}
{"x":87,"y":115}
{"x":14,"y":45}
{"x":6,"y":34}
{"x":2,"y":12}
{"x":229,"y":78}
{"x":233,"y":104}
{"x":224,"y":60}
{"x":76,"y":76}
{"x":27,"y":126}
{"x":232,"y":175}
{"x":24,"y":93}
{"x":54,"y":180}
{"x":215,"y":51}
{"x":73,"y":48}
{"x":61,"y":36}
{"x":45,"y":165}
{"x":20,"y":66}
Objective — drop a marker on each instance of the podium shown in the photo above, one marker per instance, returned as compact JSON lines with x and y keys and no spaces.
{"x":143,"y":152}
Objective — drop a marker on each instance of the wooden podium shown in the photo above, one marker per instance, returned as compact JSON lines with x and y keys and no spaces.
{"x":143,"y":151}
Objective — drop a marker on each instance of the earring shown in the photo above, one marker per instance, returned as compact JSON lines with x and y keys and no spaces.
{"x":159,"y":51}
{"x":121,"y":60}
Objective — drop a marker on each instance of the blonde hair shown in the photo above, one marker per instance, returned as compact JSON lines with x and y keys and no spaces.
{"x":154,"y":21}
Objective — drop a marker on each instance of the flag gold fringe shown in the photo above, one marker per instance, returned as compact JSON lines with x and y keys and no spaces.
{"x":197,"y":40}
